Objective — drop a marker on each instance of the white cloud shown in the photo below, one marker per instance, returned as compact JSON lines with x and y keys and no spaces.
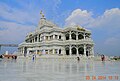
{"x":79,"y":17}
{"x":13,"y":32}
{"x":110,"y":18}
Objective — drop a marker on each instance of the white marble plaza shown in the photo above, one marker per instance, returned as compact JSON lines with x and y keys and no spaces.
{"x":57,"y":70}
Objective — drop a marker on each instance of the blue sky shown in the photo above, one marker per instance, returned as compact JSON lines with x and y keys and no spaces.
{"x":102,"y":17}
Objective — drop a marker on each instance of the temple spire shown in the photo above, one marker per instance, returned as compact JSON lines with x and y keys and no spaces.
{"x":42,"y":19}
{"x":42,"y":15}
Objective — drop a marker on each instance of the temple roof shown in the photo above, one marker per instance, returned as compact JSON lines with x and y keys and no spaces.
{"x":76,"y":28}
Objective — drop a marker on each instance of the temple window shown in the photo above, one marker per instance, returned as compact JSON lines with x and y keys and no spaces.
{"x":51,"y":37}
{"x":80,"y":36}
{"x":35,"y":39}
{"x":59,"y":51}
{"x":67,"y":36}
{"x":55,"y":51}
{"x":73,"y":36}
{"x":55,"y":36}
{"x":87,"y":35}
{"x":46,"y":37}
{"x":59,"y":36}
{"x":30,"y":41}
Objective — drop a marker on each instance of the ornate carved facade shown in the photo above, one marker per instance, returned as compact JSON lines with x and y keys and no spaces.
{"x":48,"y":39}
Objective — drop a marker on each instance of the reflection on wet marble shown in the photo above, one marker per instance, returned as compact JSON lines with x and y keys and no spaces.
{"x":56,"y":70}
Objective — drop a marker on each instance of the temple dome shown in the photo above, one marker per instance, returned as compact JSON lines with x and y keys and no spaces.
{"x":44,"y":22}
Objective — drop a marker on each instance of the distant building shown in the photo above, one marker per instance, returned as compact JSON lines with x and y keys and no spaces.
{"x":49,"y":39}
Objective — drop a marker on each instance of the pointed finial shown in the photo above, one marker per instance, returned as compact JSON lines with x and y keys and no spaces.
{"x":42,"y":14}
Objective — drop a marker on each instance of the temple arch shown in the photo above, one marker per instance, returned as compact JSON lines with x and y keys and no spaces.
{"x":67,"y":50}
{"x":73,"y":35}
{"x":67,"y":36}
{"x":81,"y":51}
{"x":59,"y":51}
{"x":74,"y":51}
{"x":87,"y":53}
{"x":80,"y":36}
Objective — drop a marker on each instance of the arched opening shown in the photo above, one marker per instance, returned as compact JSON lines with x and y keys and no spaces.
{"x":80,"y":36}
{"x":25,"y":51}
{"x":74,"y":51}
{"x":81,"y":51}
{"x":30,"y":41}
{"x":87,"y":53}
{"x":67,"y":51}
{"x":67,"y":36}
{"x":59,"y":51}
{"x":35,"y":39}
{"x":73,"y":35}
{"x":59,"y":36}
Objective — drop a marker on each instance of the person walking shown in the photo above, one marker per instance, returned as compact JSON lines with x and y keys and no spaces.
{"x":102,"y":57}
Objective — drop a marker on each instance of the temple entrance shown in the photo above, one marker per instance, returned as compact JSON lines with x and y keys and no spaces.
{"x":74,"y":51}
{"x":81,"y":51}
{"x":67,"y":51}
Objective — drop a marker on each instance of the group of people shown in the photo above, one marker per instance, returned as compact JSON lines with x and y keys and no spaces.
{"x":8,"y":56}
{"x":102,"y":58}
{"x":14,"y":57}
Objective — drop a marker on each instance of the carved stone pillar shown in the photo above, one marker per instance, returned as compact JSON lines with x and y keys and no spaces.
{"x":28,"y":52}
{"x":53,"y":51}
{"x":23,"y":50}
{"x":76,"y":35}
{"x":70,"y":50}
{"x":57,"y":51}
{"x":92,"y":50}
{"x":38,"y":38}
{"x":58,"y":37}
{"x":63,"y":51}
{"x":43,"y":38}
{"x":84,"y":50}
{"x":48,"y":37}
{"x":34,"y":38}
{"x":53,"y":37}
{"x":36,"y":52}
{"x":70,"y":35}
{"x":84,"y":35}
{"x":77,"y":51}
